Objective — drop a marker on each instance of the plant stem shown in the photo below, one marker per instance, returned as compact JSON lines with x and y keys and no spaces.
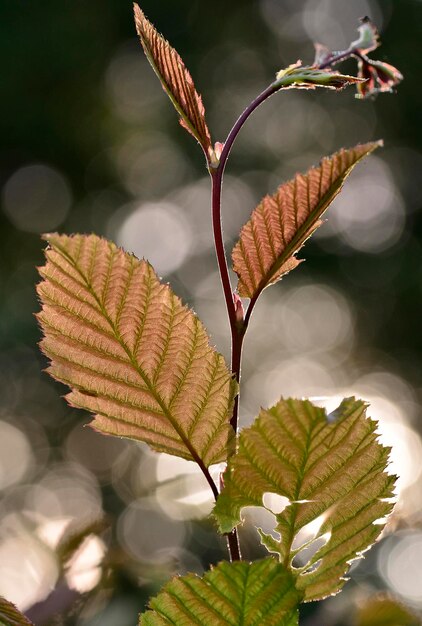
{"x":217,"y":179}
{"x":233,"y":545}
{"x":237,"y":326}
{"x":338,"y":57}
{"x":208,"y":477}
{"x":335,"y":58}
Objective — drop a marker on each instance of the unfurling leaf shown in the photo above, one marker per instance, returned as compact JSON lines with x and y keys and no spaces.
{"x":230,"y":594}
{"x":369,"y":38}
{"x":10,"y":616}
{"x":373,"y":76}
{"x":378,"y":77}
{"x":332,"y":471}
{"x":175,"y":79}
{"x":131,"y":353}
{"x":309,"y":77}
{"x":281,"y":223}
{"x":383,"y":610}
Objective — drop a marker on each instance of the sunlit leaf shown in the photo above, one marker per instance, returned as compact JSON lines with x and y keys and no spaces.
{"x":175,"y":79}
{"x":331,"y":470}
{"x":260,"y":593}
{"x":281,"y":223}
{"x":10,"y":616}
{"x":131,"y":353}
{"x":309,"y":77}
{"x":385,"y":611}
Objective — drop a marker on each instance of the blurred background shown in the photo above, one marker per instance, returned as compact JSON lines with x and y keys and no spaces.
{"x":91,"y":526}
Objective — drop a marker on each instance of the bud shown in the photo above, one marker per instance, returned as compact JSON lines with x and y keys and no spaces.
{"x":215,"y":154}
{"x":238,"y":307}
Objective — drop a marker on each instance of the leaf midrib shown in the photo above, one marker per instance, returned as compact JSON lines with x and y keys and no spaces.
{"x":195,"y":456}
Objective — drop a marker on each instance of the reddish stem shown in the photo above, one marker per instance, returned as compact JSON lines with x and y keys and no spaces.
{"x":237,"y":327}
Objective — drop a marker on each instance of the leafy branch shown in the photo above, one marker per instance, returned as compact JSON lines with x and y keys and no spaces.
{"x":141,"y":362}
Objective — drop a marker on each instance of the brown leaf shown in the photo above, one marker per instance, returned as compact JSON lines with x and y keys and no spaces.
{"x":175,"y":79}
{"x":281,"y":223}
{"x":131,"y":353}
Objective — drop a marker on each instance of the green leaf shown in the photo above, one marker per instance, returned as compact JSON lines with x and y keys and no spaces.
{"x":253,"y":594}
{"x":330,"y":469}
{"x":131,"y":353}
{"x":10,"y":616}
{"x":281,"y":223}
{"x":175,"y":80}
{"x":309,"y":77}
{"x":385,"y":611}
{"x":369,"y":38}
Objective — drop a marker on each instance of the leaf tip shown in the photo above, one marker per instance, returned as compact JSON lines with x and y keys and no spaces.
{"x":175,"y":80}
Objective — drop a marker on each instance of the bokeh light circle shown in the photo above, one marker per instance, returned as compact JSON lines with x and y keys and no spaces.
{"x":314,"y":318}
{"x":28,"y":569}
{"x":400,"y":565}
{"x":369,"y":214}
{"x":158,"y":232}
{"x":36,"y":198}
{"x":15,"y":455}
{"x":145,"y":532}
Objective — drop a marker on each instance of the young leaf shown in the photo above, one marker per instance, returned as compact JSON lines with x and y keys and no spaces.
{"x":378,"y":77}
{"x":369,"y":38}
{"x":281,"y":223}
{"x":260,"y":593}
{"x":331,"y":470}
{"x":10,"y":616}
{"x":385,"y":611}
{"x":175,"y":79}
{"x":131,"y":352}
{"x":309,"y":77}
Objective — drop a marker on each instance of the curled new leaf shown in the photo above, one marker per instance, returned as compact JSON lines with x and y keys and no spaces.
{"x":230,"y":594}
{"x":175,"y":79}
{"x":331,"y":470}
{"x":309,"y":77}
{"x":131,"y":353}
{"x":281,"y":223}
{"x":373,"y":76}
{"x":377,"y":76}
{"x":369,"y":38}
{"x":10,"y":616}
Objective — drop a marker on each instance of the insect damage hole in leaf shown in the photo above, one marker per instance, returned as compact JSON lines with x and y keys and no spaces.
{"x":335,"y":470}
{"x":275,"y":502}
